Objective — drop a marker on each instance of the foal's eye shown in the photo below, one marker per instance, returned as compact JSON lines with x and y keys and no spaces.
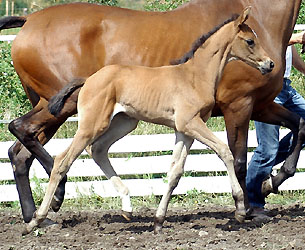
{"x":250,"y":42}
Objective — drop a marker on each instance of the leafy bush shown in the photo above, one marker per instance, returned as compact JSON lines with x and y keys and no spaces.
{"x":163,"y":5}
{"x":301,"y":18}
{"x":13,"y":101}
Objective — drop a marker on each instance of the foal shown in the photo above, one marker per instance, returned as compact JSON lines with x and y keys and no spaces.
{"x":180,"y":96}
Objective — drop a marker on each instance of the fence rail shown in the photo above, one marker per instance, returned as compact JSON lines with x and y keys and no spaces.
{"x":205,"y":163}
{"x":136,"y":166}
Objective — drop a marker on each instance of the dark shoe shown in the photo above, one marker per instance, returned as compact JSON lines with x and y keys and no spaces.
{"x":260,"y":215}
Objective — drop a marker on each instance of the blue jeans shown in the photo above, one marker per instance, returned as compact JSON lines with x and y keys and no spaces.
{"x":270,"y":151}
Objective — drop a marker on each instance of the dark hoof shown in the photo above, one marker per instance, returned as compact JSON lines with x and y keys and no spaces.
{"x":261,"y":219}
{"x":46,"y":223}
{"x":259,"y":216}
{"x":267,"y":187}
{"x":56,"y":203}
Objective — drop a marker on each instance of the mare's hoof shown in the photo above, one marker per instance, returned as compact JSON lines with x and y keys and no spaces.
{"x":56,"y":204}
{"x":127,"y":215}
{"x":46,"y":223}
{"x":267,"y":187}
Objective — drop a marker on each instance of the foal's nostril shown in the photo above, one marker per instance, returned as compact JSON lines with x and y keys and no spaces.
{"x":271,"y":65}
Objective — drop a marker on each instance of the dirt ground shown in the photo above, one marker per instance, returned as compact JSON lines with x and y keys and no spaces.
{"x":210,"y":227}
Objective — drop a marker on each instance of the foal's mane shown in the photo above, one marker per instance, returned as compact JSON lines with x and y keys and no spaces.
{"x":201,"y":40}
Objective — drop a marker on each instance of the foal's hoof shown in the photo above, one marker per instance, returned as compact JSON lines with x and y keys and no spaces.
{"x":127,"y":215}
{"x":29,"y":227}
{"x":158,"y":222}
{"x":240,"y":217}
{"x":157,"y":228}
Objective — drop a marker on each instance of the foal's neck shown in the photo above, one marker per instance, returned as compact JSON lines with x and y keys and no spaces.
{"x":210,"y":59}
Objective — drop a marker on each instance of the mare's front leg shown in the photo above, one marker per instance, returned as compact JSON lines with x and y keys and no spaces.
{"x":278,"y":115}
{"x":237,"y":118}
{"x":182,"y":146}
{"x":120,"y":126}
{"x":33,"y":130}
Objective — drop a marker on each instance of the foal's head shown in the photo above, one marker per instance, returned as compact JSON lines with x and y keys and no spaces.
{"x":246,"y":47}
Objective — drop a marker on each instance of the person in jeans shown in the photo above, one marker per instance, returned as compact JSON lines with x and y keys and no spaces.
{"x":270,"y":151}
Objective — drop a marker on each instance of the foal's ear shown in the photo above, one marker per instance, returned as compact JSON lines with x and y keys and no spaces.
{"x":244,"y":16}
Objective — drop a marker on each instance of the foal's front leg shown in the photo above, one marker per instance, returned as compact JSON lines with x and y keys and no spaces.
{"x":197,"y":129}
{"x":182,"y":146}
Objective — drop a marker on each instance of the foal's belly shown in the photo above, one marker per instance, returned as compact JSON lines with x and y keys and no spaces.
{"x":162,"y":117}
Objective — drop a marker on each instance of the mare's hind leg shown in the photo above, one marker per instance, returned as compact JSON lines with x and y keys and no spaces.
{"x":182,"y":146}
{"x":276,"y":114}
{"x":32,"y":130}
{"x":288,"y":169}
{"x":21,"y":160}
{"x":197,"y":129}
{"x":120,"y":126}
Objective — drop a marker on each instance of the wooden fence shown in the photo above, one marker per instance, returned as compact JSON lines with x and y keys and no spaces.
{"x":206,"y":163}
{"x":139,"y":166}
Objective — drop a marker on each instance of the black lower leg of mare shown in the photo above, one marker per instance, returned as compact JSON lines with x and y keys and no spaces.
{"x":288,"y":169}
{"x":21,"y":160}
{"x":37,"y":150}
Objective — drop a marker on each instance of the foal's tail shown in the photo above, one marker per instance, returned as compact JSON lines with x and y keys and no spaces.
{"x":57,"y":102}
{"x":10,"y":22}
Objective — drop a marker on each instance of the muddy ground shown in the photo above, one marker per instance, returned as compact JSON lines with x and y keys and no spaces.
{"x":210,"y":227}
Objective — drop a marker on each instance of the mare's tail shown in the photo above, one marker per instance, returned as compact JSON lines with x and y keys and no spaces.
{"x":57,"y":102}
{"x":10,"y":22}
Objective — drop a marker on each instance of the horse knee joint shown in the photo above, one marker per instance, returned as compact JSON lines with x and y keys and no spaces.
{"x":97,"y":150}
{"x":240,"y":168}
{"x":290,"y":172}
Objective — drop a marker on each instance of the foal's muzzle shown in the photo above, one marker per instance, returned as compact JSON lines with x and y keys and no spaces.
{"x":266,"y":66}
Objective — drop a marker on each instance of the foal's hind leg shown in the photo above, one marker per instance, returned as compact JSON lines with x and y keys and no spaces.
{"x":61,"y":166}
{"x":198,"y":130}
{"x":90,"y":127}
{"x":120,"y":126}
{"x":182,"y":147}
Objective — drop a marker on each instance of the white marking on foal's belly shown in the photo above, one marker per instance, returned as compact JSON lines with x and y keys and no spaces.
{"x":118,"y":108}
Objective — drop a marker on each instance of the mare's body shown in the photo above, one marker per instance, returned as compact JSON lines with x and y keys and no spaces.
{"x":58,"y":44}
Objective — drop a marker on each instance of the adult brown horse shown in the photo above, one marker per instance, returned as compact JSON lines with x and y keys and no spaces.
{"x":60,"y":43}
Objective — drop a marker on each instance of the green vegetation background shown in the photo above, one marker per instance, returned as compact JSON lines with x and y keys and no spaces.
{"x":14,"y":103}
